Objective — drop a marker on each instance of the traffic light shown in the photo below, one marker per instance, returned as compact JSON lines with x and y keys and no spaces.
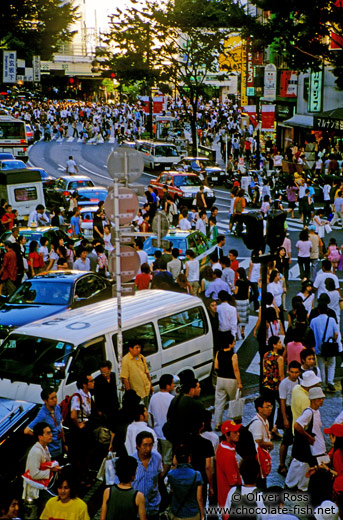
{"x":276,"y":229}
{"x":253,"y":237}
{"x":108,"y":73}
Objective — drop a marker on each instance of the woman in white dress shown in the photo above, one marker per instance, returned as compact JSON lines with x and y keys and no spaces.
{"x":322,"y":226}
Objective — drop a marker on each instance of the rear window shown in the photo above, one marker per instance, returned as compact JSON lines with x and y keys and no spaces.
{"x":92,"y":195}
{"x":181,"y":327}
{"x":79,"y":184}
{"x":25,"y":194}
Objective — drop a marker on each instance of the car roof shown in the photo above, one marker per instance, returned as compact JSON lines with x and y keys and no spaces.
{"x":61,"y":276}
{"x":140,"y":308}
{"x":91,"y":188}
{"x":74,"y":178}
{"x":197,"y":158}
{"x":89,"y":209}
{"x":175,"y":173}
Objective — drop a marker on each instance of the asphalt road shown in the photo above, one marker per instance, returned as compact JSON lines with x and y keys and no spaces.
{"x":91,"y":160}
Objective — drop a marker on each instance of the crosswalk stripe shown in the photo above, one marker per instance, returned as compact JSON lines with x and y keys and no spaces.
{"x":111,"y":140}
{"x":248,"y":329}
{"x":254,"y":367}
{"x":70,"y":139}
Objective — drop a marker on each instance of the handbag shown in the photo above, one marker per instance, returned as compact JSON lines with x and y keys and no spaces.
{"x":301,"y":447}
{"x":102,"y":435}
{"x":236,"y":406}
{"x":101,"y":475}
{"x":330,"y":347}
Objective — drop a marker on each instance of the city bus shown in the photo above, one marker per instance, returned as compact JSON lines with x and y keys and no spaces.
{"x":13,"y":137}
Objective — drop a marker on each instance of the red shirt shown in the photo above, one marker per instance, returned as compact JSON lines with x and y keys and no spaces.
{"x":235,"y":265}
{"x":8,"y":225}
{"x":142,"y":281}
{"x":9,"y":266}
{"x":227,"y":471}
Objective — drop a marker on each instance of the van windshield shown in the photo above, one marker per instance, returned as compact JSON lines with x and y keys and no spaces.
{"x":33,"y":360}
{"x":165,"y":151}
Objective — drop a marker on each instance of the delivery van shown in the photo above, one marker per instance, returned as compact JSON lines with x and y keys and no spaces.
{"x":173,"y":329}
{"x":158,"y":155}
{"x":23,"y":189}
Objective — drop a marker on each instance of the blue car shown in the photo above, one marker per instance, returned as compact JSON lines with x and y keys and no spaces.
{"x":48,"y":294}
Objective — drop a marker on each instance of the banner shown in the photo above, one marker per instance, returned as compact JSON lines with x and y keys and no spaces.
{"x":244,"y":97}
{"x":250,"y":110}
{"x":288,"y":84}
{"x":270,"y":77}
{"x":9,"y":73}
{"x":315,"y":91}
{"x":250,"y":74}
{"x":268,"y":118}
{"x":36,"y":68}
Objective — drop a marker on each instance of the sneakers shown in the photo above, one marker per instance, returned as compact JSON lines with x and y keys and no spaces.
{"x":330,"y":388}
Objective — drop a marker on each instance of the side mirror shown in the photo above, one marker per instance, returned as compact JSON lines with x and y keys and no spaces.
{"x":59,"y":370}
{"x":3,"y":299}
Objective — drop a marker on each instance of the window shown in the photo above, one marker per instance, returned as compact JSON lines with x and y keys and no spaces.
{"x":88,"y":286}
{"x":87,"y":359}
{"x":182,"y":327}
{"x":162,"y":179}
{"x":25,"y":194}
{"x":144,"y":335}
{"x":200,"y":240}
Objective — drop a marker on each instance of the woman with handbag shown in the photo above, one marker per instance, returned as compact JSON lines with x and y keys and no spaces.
{"x":186,"y":485}
{"x":228,"y":377}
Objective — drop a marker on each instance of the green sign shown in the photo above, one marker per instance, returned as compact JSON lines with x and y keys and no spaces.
{"x":315,"y":97}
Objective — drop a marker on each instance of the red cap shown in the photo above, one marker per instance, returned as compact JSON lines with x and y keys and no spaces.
{"x":335,"y":429}
{"x":229,"y":426}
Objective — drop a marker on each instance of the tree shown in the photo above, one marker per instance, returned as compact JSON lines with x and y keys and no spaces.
{"x":176,"y":42}
{"x":301,"y":33}
{"x":35,"y":26}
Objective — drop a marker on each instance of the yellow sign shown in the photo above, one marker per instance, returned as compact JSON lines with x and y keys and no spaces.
{"x":244,"y":97}
{"x":231,"y":59}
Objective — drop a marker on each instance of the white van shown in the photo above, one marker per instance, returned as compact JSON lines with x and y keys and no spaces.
{"x":173,"y":328}
{"x":23,"y":189}
{"x":158,"y":154}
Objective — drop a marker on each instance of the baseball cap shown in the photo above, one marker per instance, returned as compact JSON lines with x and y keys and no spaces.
{"x":316,"y":393}
{"x":229,"y":426}
{"x":326,"y":511}
{"x":335,"y":429}
{"x":309,"y":378}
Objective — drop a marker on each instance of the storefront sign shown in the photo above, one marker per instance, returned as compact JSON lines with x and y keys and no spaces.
{"x":250,"y":110}
{"x":270,"y":81}
{"x":268,"y":118}
{"x":9,"y":74}
{"x":244,"y":97}
{"x":250,"y":74}
{"x":315,"y":91}
{"x":231,"y":59}
{"x":36,"y":68}
{"x":327,"y":123}
{"x":288,"y":84}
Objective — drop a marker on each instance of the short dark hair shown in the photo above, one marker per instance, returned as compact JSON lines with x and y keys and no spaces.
{"x":223,"y":296}
{"x":326,"y":264}
{"x":175,"y":252}
{"x":105,"y":364}
{"x":273,"y":340}
{"x":260,"y":401}
{"x":39,"y":207}
{"x":225,"y":261}
{"x":126,"y":468}
{"x":82,"y":380}
{"x":220,"y":238}
{"x":143,"y":435}
{"x":139,"y":411}
{"x":234,"y":252}
{"x":39,"y":428}
{"x":135,"y":342}
{"x":190,"y":253}
{"x":294,"y":364}
{"x":165,"y":379}
{"x":139,"y":242}
{"x":188,"y":384}
{"x":46,"y":391}
{"x":306,"y":352}
{"x":71,"y":480}
{"x":182,"y":453}
{"x":218,"y":273}
{"x":145,"y":268}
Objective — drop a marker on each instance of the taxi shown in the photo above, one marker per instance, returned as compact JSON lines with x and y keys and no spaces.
{"x":183,"y":187}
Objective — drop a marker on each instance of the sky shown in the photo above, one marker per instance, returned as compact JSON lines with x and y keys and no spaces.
{"x":103,"y":8}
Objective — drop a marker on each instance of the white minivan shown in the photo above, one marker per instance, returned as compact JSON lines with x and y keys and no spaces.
{"x":158,"y":155}
{"x":23,"y":189}
{"x":173,"y":329}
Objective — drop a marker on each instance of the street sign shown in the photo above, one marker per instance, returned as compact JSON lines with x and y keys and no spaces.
{"x":160,"y":224}
{"x":125,"y":163}
{"x":128,"y":205}
{"x":126,"y":290}
{"x":129,"y":263}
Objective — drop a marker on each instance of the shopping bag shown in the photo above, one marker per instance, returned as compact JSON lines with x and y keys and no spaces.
{"x":236,"y":406}
{"x":327,"y":228}
{"x":110,"y":473}
{"x":101,"y":473}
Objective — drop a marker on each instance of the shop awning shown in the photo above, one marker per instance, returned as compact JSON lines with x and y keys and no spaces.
{"x":301,"y":120}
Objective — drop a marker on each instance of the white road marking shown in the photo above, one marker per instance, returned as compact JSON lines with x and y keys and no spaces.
{"x":254,"y":367}
{"x":248,"y":329}
{"x":94,"y":173}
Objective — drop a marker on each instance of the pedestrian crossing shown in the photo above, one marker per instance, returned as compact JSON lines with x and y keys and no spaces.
{"x":92,"y":140}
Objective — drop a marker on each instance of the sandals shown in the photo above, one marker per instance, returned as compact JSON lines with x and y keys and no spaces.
{"x":282,"y":470}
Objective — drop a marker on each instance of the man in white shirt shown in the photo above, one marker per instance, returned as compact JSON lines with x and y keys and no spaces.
{"x":319,"y":282}
{"x":143,"y":255}
{"x":158,"y":408}
{"x":38,"y":217}
{"x":259,"y":427}
{"x":201,"y":222}
{"x":139,"y":425}
{"x":215,"y":287}
{"x":82,"y":263}
{"x":71,"y":166}
{"x":338,"y":209}
{"x":227,"y":314}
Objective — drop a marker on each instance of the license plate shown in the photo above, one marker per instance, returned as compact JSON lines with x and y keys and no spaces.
{"x":214,"y":178}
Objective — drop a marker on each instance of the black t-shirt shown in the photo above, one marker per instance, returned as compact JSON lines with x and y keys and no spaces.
{"x":97,"y":222}
{"x":105,"y":396}
{"x":185,"y":414}
{"x":201,"y":450}
{"x":243,"y":288}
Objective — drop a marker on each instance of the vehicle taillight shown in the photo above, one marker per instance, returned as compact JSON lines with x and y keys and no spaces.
{"x":180,"y":251}
{"x":66,"y":193}
{"x":22,"y":141}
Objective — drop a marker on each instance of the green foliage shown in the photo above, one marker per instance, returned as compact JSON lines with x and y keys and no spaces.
{"x":35,"y":26}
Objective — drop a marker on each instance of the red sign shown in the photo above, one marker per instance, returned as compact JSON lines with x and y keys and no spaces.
{"x":250,"y":110}
{"x":336,"y":42}
{"x":257,"y":58}
{"x":268,"y":118}
{"x":288,"y":84}
{"x":250,"y":70}
{"x":157,"y":104}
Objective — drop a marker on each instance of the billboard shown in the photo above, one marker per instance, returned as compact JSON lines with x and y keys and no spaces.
{"x":231,"y":59}
{"x":288,"y":84}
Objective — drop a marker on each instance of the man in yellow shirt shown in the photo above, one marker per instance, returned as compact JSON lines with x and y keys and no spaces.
{"x":135,"y":373}
{"x":300,"y":398}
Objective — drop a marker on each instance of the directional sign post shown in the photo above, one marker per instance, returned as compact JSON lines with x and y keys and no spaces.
{"x":126,"y":164}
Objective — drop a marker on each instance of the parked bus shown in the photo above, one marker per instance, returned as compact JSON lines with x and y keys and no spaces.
{"x":13,"y":137}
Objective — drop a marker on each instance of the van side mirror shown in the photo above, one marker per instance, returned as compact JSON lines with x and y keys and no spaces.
{"x":59,"y":370}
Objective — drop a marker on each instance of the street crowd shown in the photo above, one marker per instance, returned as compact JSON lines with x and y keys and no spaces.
{"x":173,"y":456}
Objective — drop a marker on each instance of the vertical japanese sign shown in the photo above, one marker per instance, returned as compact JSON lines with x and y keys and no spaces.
{"x":36,"y":68}
{"x":270,"y":81}
{"x":9,"y":72}
{"x":288,"y":84}
{"x":268,"y":118}
{"x":244,"y":97}
{"x":250,"y":74}
{"x":315,"y":91}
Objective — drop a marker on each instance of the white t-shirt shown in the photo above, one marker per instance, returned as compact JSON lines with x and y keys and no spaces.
{"x":158,"y":408}
{"x":143,"y":256}
{"x":245,"y":491}
{"x":308,"y":301}
{"x":285,"y":390}
{"x":201,"y":226}
{"x":193,"y":270}
{"x":276,"y":289}
{"x":71,"y":166}
{"x":318,"y":447}
{"x":184,"y":224}
{"x":259,"y":428}
{"x":319,"y":282}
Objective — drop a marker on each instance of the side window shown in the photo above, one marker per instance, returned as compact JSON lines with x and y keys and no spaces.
{"x":181,"y":327}
{"x":170,"y":180}
{"x":88,"y":286}
{"x":191,"y":242}
{"x":163,"y":179}
{"x":200,"y":241}
{"x":144,"y":334}
{"x":87,"y":359}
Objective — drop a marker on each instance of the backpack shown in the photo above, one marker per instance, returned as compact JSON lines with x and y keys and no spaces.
{"x":243,"y":507}
{"x":263,"y":456}
{"x":65,"y":406}
{"x":246,"y":446}
{"x":170,"y":427}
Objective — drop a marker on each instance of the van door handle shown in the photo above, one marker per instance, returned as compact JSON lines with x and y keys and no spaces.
{"x":148,"y":365}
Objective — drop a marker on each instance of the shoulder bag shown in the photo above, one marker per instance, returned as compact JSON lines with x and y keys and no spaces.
{"x":329,"y":348}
